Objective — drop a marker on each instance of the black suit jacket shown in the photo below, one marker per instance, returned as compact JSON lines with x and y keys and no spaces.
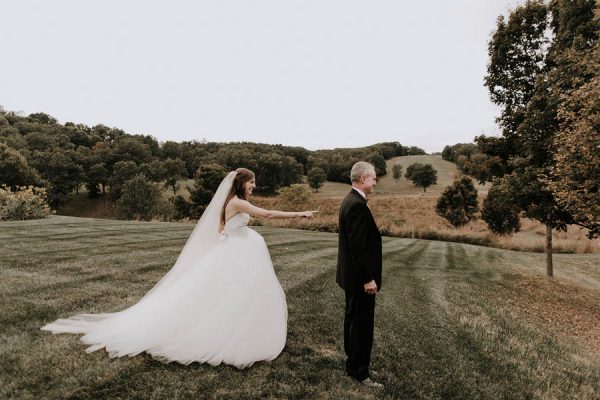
{"x":359,"y":247}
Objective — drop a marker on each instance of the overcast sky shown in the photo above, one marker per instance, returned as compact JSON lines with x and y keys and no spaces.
{"x":312,"y":73}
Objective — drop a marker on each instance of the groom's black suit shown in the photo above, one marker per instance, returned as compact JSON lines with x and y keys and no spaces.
{"x":359,"y":262}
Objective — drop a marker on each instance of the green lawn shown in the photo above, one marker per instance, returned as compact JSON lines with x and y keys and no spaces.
{"x":453,"y":321}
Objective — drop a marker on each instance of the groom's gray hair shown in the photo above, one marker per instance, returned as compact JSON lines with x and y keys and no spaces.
{"x":359,"y":169}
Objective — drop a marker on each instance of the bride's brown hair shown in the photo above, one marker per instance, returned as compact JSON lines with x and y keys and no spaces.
{"x":237,"y":189}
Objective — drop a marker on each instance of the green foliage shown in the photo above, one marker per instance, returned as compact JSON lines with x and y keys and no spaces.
{"x":530,"y":71}
{"x":154,"y":171}
{"x":397,"y":172}
{"x":451,"y":153}
{"x":174,"y":170}
{"x":517,"y":54}
{"x":458,"y":203}
{"x":130,"y":149}
{"x":423,"y":175}
{"x":96,"y":175}
{"x":183,"y":208}
{"x":499,"y":210}
{"x":23,"y":203}
{"x":294,"y":198}
{"x":140,"y":199}
{"x":206,"y":181}
{"x":122,"y":172}
{"x":274,"y":171}
{"x":316,"y":177}
{"x":337,"y":163}
{"x":15,"y":170}
{"x":73,"y":149}
{"x":61,"y":169}
{"x":210,"y":176}
{"x":575,"y":176}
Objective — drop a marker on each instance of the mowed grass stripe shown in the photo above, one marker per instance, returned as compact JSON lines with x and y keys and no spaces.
{"x":94,"y":247}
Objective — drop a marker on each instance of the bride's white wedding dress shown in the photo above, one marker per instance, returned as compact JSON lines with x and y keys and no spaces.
{"x":220,"y":303}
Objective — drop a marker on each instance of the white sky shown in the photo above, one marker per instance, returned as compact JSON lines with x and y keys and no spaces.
{"x":312,"y":73}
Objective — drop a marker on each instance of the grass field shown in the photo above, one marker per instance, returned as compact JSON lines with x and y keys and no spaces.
{"x":453,"y":321}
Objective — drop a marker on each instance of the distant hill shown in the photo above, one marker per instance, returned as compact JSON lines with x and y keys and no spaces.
{"x":446,"y":173}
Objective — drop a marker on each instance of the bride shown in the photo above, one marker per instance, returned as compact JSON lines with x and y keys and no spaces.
{"x":220,"y":303}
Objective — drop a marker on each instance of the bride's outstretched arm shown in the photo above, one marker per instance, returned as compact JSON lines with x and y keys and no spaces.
{"x":244,"y":206}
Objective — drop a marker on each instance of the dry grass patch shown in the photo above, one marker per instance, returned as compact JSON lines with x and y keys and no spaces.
{"x":413,"y":216}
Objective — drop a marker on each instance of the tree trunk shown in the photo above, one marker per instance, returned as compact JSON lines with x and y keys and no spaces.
{"x":424,"y":189}
{"x":549,"y":267}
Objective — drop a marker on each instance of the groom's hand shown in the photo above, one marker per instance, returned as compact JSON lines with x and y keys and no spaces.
{"x":371,"y":287}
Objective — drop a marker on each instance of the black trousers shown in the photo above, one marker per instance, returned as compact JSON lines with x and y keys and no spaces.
{"x":358,"y":333}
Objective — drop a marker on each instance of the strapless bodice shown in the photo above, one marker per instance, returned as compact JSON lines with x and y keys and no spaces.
{"x":236,"y":223}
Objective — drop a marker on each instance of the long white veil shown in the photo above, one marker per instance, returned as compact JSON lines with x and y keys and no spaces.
{"x":202,"y":238}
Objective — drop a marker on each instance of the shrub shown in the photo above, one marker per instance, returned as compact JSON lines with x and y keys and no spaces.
{"x":24,"y":203}
{"x":499,"y":211}
{"x":15,"y":170}
{"x":294,"y":198}
{"x":316,"y":177}
{"x":183,"y":208}
{"x":140,"y":199}
{"x":458,"y":203}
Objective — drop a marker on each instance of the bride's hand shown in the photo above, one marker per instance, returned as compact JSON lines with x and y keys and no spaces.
{"x":309,"y":214}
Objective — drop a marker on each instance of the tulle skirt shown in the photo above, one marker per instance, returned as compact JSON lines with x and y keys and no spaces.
{"x":229,"y":308}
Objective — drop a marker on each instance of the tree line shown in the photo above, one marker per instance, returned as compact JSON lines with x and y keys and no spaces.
{"x":39,"y":151}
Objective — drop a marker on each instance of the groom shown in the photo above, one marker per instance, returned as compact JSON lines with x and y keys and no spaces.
{"x":359,"y":271}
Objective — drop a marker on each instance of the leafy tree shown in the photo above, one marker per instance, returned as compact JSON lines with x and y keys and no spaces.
{"x":447,"y":153}
{"x":529,"y":71}
{"x":397,"y":172}
{"x":130,"y":149}
{"x":499,"y":211}
{"x":60,"y":169}
{"x":154,"y":171}
{"x":97,"y":175}
{"x":294,"y":198}
{"x":415,"y":151}
{"x":451,"y":153}
{"x":42,"y":118}
{"x":40,"y":141}
{"x":575,"y":179}
{"x":139,"y":200}
{"x":15,"y":170}
{"x":423,"y":175}
{"x":174,"y":170}
{"x":122,"y":172}
{"x":316,"y":177}
{"x":379,"y":163}
{"x":206,"y":181}
{"x":183,"y":208}
{"x":274,"y":171}
{"x":458,"y":203}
